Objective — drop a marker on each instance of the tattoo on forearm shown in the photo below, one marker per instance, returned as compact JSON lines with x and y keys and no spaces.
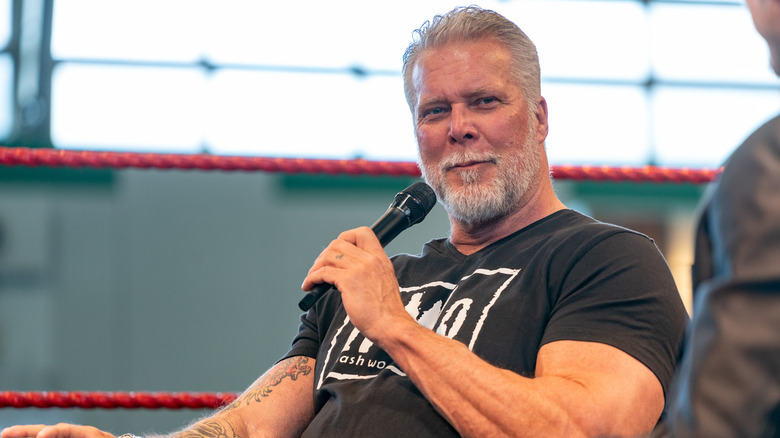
{"x":293,"y":368}
{"x":209,"y":429}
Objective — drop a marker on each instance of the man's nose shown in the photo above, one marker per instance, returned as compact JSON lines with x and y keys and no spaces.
{"x":461,"y":124}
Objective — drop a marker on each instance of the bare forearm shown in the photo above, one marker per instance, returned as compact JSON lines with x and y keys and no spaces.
{"x":477,"y":398}
{"x":580,"y":389}
{"x":280,"y":403}
{"x":209,"y":428}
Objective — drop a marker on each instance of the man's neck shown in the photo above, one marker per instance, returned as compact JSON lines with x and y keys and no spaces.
{"x":468,"y":237}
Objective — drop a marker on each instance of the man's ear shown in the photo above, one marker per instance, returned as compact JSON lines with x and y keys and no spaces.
{"x":541,"y":120}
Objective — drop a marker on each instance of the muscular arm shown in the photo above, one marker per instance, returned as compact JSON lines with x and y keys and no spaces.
{"x":579,"y":388}
{"x":278,"y":404}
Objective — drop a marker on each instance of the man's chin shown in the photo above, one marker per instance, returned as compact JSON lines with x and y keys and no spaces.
{"x":471,"y":176}
{"x":479,"y":217}
{"x":474,"y":206}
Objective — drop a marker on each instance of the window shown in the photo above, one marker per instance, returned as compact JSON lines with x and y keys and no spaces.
{"x":6,"y":71}
{"x":676,"y":83}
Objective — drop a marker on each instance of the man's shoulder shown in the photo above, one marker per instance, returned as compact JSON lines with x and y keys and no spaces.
{"x":758,"y":149}
{"x":567,"y":234}
{"x":573,"y":223}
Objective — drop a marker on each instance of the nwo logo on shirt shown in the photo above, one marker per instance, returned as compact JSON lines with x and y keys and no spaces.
{"x":457,"y":311}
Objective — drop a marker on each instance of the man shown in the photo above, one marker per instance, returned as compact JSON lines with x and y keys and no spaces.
{"x":728,"y":383}
{"x":529,"y":320}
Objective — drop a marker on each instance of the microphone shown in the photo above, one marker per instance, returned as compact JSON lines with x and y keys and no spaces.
{"x":408,"y":208}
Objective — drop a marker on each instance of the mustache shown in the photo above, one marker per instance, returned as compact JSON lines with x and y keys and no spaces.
{"x":467,"y":157}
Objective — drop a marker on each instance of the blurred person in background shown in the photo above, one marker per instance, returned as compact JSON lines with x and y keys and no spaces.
{"x":728,"y":384}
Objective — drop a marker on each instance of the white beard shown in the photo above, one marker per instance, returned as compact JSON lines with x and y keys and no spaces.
{"x":479,"y":202}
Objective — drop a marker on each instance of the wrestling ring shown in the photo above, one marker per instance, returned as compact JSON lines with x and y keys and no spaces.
{"x":32,"y":157}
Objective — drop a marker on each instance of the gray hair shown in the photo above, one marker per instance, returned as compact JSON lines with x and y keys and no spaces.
{"x":473,"y":23}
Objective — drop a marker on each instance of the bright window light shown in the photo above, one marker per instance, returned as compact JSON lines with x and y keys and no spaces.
{"x":299,"y":114}
{"x":313,"y":33}
{"x":708,"y":44}
{"x":5,"y":23}
{"x":6,"y":72}
{"x":586,"y":39}
{"x":627,"y":82}
{"x":701,"y":127}
{"x":129,"y":108}
{"x":137,"y":30}
{"x":6,"y":95}
{"x":597,"y":124}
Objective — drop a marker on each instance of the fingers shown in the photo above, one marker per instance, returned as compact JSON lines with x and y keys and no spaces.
{"x":363,"y":238}
{"x":356,"y":264}
{"x":337,"y":256}
{"x":24,"y":431}
{"x":352,"y":248}
{"x":61,"y":430}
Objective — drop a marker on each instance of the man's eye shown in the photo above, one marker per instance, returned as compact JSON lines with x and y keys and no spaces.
{"x":487,"y":100}
{"x":433,"y":112}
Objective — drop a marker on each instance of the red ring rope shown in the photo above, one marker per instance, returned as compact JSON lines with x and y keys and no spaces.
{"x":119,"y":160}
{"x":115,"y":400}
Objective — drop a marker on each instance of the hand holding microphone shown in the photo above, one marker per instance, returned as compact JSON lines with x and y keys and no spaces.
{"x":408,"y":208}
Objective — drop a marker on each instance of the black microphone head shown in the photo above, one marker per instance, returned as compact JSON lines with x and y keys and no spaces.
{"x":422,"y":199}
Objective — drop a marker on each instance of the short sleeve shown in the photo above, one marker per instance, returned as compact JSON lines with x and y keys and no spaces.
{"x":314,"y":324}
{"x":619,"y":291}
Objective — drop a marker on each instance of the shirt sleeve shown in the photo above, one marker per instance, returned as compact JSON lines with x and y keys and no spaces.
{"x":619,"y":291}
{"x":314,"y":324}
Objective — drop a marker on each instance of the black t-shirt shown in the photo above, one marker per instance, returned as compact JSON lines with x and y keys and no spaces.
{"x":565,"y":277}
